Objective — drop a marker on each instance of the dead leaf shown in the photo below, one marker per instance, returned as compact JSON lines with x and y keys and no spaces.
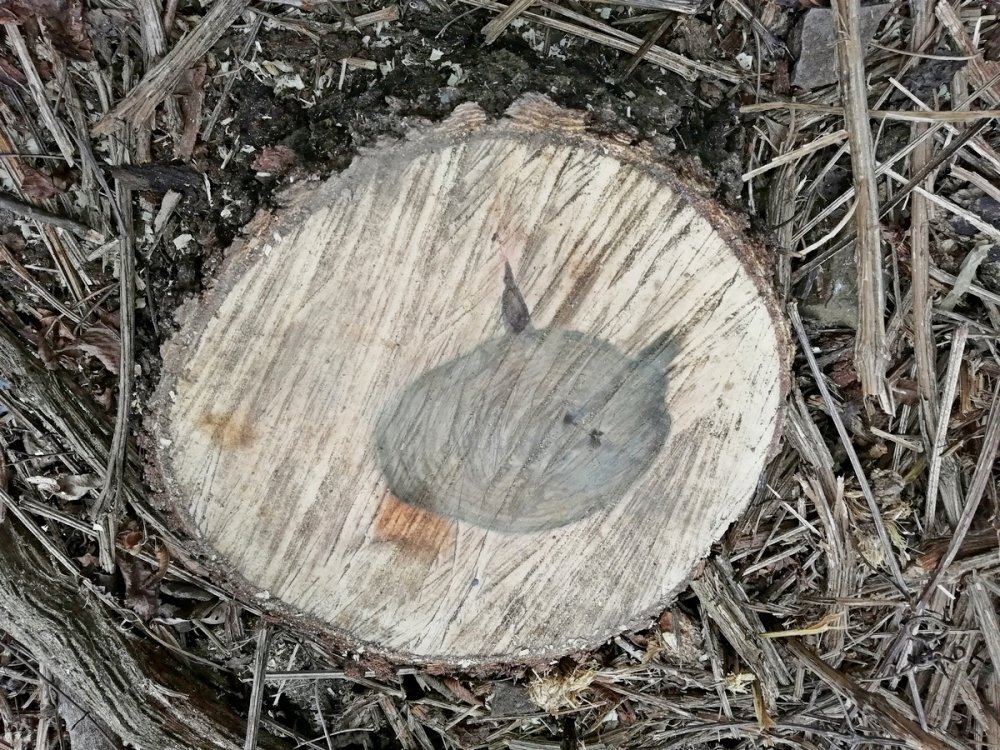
{"x":45,"y":353}
{"x":132,"y":541}
{"x":142,"y":585}
{"x":274,"y":159}
{"x":10,"y":75}
{"x":38,"y":186}
{"x":105,"y":26}
{"x":64,"y":22}
{"x":461,"y":691}
{"x":192,"y":90}
{"x":105,"y":398}
{"x":103,"y":344}
{"x":69,"y":487}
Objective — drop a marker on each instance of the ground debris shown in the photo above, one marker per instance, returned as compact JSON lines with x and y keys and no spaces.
{"x":797,"y":632}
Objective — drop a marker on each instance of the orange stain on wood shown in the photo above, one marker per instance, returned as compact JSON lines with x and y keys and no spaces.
{"x":228,"y":430}
{"x":416,"y":530}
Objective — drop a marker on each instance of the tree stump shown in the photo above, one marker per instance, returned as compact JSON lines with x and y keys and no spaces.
{"x":487,"y":396}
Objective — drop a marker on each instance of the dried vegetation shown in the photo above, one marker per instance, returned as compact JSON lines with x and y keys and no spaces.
{"x":855,"y":605}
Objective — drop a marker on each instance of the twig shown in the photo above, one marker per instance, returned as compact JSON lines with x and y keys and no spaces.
{"x":870,"y":352}
{"x":727,"y":604}
{"x":981,"y":73}
{"x":875,"y":706}
{"x":257,"y":692}
{"x":647,"y":45}
{"x":610,"y":36}
{"x":942,"y":156}
{"x":55,"y":550}
{"x":37,"y":89}
{"x":114,"y":475}
{"x":966,"y":273}
{"x":161,"y":79}
{"x":977,"y":145}
{"x":980,"y":477}
{"x":329,"y":674}
{"x":27,"y":211}
{"x":937,"y":445}
{"x":900,"y":115}
{"x":944,"y":277}
{"x":920,"y":213}
{"x":983,"y":226}
{"x":845,"y":439}
{"x":496,"y":27}
{"x":830,"y":139}
{"x":987,"y":615}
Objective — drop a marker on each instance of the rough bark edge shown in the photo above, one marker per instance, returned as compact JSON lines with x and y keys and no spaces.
{"x":532,"y":114}
{"x":123,"y":684}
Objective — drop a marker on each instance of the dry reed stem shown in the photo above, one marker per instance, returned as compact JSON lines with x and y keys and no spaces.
{"x":920,"y":214}
{"x":870,"y":347}
{"x":158,"y":83}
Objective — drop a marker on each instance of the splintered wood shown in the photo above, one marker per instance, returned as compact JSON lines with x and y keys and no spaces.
{"x":488,"y":396}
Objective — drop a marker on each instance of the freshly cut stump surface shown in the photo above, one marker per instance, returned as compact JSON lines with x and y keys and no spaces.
{"x":487,"y":396}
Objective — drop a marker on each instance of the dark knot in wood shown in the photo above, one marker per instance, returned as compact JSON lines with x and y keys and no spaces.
{"x":528,"y":431}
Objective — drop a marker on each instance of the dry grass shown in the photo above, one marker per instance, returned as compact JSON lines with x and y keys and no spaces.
{"x":855,"y":605}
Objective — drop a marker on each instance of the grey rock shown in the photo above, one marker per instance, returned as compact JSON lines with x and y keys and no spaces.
{"x":817,"y":64}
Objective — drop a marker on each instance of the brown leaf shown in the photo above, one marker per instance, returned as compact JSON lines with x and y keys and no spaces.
{"x":132,"y":541}
{"x":192,"y":88}
{"x":38,"y":186}
{"x":274,"y":159}
{"x":103,"y":344}
{"x":105,"y":398}
{"x":64,"y":21}
{"x":461,"y":691}
{"x":106,"y":26}
{"x":140,"y":599}
{"x":70,"y":34}
{"x":45,"y":353}
{"x":142,"y":585}
{"x":10,"y":75}
{"x":163,"y":561}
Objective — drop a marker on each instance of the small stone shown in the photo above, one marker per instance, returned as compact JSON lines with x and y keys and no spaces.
{"x":989,"y":271}
{"x":817,"y":65}
{"x":511,"y":699}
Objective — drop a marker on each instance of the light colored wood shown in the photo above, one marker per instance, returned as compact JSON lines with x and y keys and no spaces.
{"x":489,"y":395}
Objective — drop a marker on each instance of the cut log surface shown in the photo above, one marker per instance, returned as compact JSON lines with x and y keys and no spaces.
{"x":487,"y":396}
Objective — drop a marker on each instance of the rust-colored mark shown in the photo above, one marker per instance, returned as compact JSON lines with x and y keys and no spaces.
{"x":417,"y":530}
{"x":228,"y":430}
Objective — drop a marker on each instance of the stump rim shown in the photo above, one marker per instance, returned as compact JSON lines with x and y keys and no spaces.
{"x":529,"y":117}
